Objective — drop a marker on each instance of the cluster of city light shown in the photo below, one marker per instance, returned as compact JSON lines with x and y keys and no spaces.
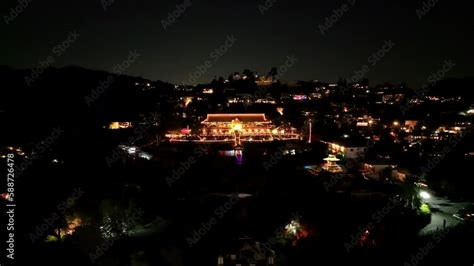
{"x":119,"y":125}
{"x":187,"y":101}
{"x":72,"y":224}
{"x":18,"y":151}
{"x":235,"y":127}
{"x":336,"y":148}
{"x":450,"y":130}
{"x":208,"y":91}
{"x":266,"y":101}
{"x":292,"y":228}
{"x":238,"y":100}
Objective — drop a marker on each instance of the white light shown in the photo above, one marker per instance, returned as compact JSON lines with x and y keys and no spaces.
{"x":293,"y":227}
{"x":425,"y":195}
{"x":145,"y":155}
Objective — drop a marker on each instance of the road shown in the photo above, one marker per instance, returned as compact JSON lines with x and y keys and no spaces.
{"x":442,"y":209}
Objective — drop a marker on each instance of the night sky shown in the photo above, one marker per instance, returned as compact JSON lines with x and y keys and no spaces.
{"x":288,"y":28}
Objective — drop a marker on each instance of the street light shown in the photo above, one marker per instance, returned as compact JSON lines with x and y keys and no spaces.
{"x":425,"y":195}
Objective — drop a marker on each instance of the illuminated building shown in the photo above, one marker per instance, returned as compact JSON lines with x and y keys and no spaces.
{"x":347,"y":149}
{"x":411,"y":124}
{"x":393,"y":98}
{"x":208,"y":91}
{"x":366,"y":121}
{"x":445,"y":132}
{"x":331,"y":164}
{"x":119,"y":125}
{"x":237,"y":128}
{"x":380,"y":170}
{"x":264,"y":80}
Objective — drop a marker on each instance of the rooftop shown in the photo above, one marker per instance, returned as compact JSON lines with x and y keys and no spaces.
{"x":228,"y":118}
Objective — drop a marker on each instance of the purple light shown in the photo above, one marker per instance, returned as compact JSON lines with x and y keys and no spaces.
{"x":300,"y":97}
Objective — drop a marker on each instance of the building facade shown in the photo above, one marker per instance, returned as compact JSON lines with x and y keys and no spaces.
{"x":237,"y":128}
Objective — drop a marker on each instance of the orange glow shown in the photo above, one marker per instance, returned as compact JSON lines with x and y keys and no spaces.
{"x":187,"y":101}
{"x":280,"y":110}
{"x":72,"y":224}
{"x":114,"y":125}
{"x":255,"y":127}
{"x":119,"y":125}
{"x":236,"y":125}
{"x":208,"y":91}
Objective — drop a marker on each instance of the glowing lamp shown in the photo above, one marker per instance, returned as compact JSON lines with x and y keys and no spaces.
{"x":236,"y":126}
{"x":114,"y":125}
{"x":425,"y":195}
{"x":280,"y":110}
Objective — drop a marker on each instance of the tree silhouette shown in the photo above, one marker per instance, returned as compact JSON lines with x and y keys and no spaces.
{"x":273,"y":71}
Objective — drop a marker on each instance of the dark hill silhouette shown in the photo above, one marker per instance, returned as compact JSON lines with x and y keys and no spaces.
{"x":71,"y":97}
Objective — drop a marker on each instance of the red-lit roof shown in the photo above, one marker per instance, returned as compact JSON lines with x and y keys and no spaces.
{"x":228,"y":118}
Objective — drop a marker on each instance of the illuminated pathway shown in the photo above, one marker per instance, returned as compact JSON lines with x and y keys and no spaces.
{"x":442,"y":209}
